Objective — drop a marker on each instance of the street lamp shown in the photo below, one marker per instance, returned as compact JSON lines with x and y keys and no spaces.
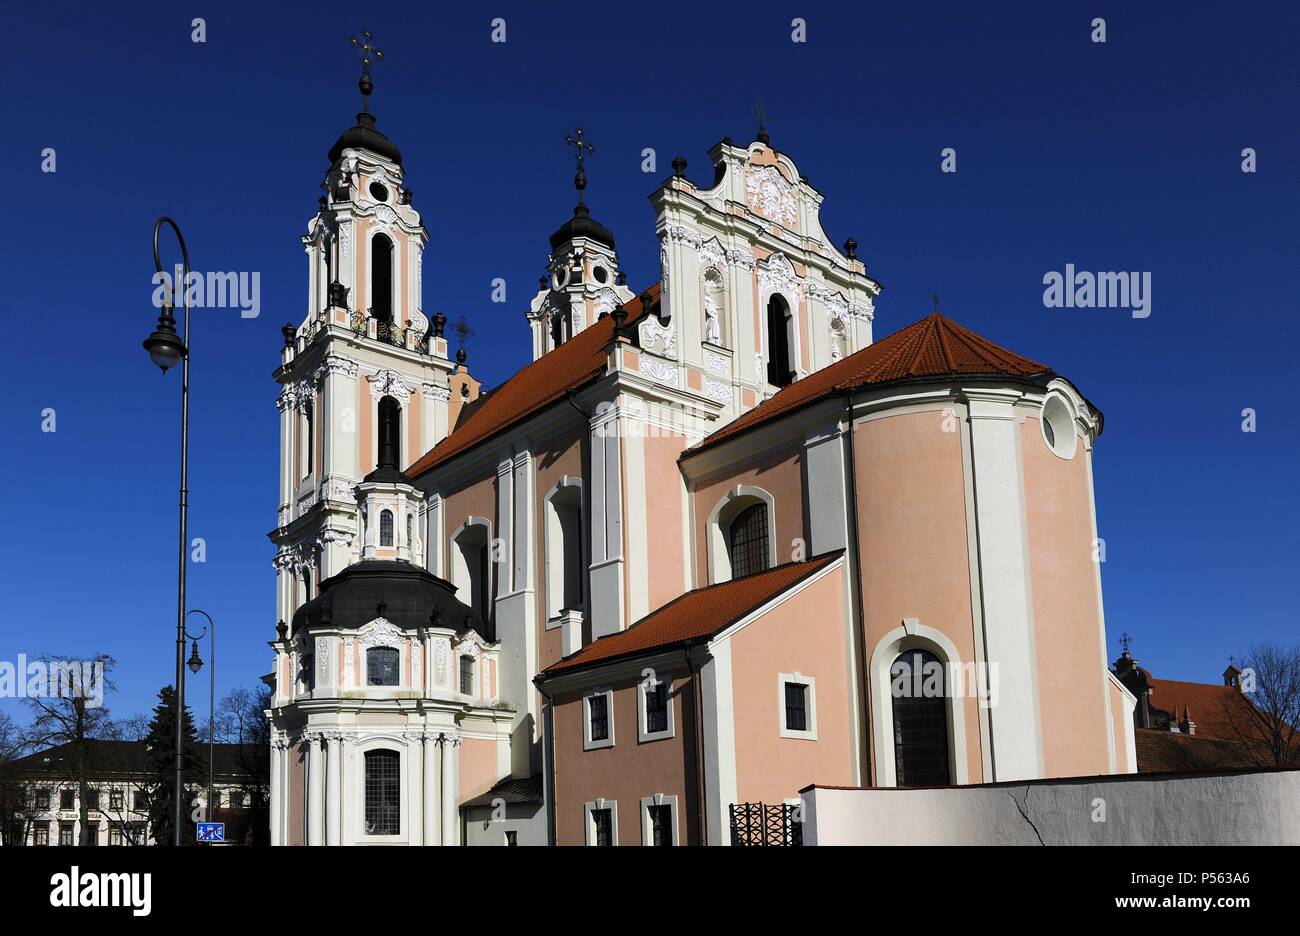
{"x":167,"y":349}
{"x":195,"y":664}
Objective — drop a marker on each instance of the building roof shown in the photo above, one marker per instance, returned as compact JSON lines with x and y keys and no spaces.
{"x":365,"y":136}
{"x":512,"y":791}
{"x":936,"y":347}
{"x":1161,"y":751}
{"x":125,"y":757}
{"x":696,"y":615}
{"x":1210,"y":706}
{"x":551,"y":377}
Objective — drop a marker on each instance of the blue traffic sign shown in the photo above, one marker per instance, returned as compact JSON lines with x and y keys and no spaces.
{"x":210,"y":832}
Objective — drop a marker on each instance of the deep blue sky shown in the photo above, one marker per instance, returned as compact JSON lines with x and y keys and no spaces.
{"x":1123,"y":156}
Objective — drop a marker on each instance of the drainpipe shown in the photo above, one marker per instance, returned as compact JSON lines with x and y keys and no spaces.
{"x":548,"y":761}
{"x":857,"y":591}
{"x":701,"y":792}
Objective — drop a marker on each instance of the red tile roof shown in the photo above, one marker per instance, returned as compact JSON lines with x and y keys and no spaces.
{"x":936,"y":346}
{"x":1160,"y":751}
{"x":1210,"y":706}
{"x":696,"y":615}
{"x":570,"y":366}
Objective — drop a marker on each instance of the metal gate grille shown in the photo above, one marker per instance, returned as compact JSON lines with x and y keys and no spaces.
{"x":763,"y":824}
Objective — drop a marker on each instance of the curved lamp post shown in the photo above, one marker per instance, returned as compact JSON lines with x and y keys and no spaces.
{"x":195,"y":664}
{"x":166,"y":349}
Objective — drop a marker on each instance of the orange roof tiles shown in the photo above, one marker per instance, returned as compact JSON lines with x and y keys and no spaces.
{"x":697,"y":614}
{"x":570,"y":366}
{"x":1160,"y":751}
{"x":1206,"y":703}
{"x":936,"y":346}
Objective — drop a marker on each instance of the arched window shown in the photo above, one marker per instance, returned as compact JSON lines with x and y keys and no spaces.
{"x":564,"y":550}
{"x":383,"y":793}
{"x":385,"y":528}
{"x":780,"y":341}
{"x":381,"y":278}
{"x":306,"y":456}
{"x":467,"y":675}
{"x":920,"y":719}
{"x":471,"y":569}
{"x":390,"y":434}
{"x":383,"y":665}
{"x":747,"y":541}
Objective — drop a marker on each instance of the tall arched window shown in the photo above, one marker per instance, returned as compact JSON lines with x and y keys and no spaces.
{"x":308,"y":437}
{"x":780,"y":341}
{"x":747,"y":541}
{"x":390,"y":434}
{"x":564,"y":550}
{"x":383,"y":666}
{"x":385,"y":528}
{"x":917,"y":684}
{"x":471,"y":570}
{"x":381,"y":278}
{"x":383,"y":793}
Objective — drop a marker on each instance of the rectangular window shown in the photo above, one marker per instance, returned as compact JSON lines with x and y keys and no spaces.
{"x":41,"y":799}
{"x":94,"y":833}
{"x":140,"y":801}
{"x":237,"y":799}
{"x":65,"y":833}
{"x":135,"y":833}
{"x":661,"y":824}
{"x":796,"y":707}
{"x":598,"y":706}
{"x":115,"y":836}
{"x":115,"y":799}
{"x":656,"y":708}
{"x":92,"y":799}
{"x":41,"y":833}
{"x":603,"y":822}
{"x":512,"y":838}
{"x":467,"y":675}
{"x":383,"y":793}
{"x":67,"y":799}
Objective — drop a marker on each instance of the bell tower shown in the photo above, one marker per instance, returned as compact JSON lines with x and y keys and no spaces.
{"x":582,"y":279}
{"x":365,"y":370}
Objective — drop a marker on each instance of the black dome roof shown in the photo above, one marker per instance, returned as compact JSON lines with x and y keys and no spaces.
{"x":582,"y":225}
{"x":405,"y":594}
{"x":365,"y":136}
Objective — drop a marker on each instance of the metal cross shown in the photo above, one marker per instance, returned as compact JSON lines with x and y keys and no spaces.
{"x":576,"y":141}
{"x":761,"y":114}
{"x":934,"y":297}
{"x":365,"y":46}
{"x":1125,"y":640}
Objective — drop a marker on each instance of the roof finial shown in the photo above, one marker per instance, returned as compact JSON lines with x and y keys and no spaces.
{"x":368,"y":52}
{"x":580,"y":179}
{"x":1125,"y":640}
{"x":934,"y":297}
{"x":761,"y":114}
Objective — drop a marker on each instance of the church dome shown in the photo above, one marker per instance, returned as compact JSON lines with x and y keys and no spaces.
{"x":404,"y":594}
{"x":365,"y":136}
{"x":582,"y":224}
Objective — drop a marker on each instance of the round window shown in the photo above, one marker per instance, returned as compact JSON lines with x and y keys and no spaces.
{"x":601,"y":274}
{"x":378,"y":192}
{"x":1057,"y":421}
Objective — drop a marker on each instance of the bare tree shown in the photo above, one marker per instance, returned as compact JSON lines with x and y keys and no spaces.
{"x":72,"y":713}
{"x":241,"y":720}
{"x":17,"y":804}
{"x":1266,"y":715}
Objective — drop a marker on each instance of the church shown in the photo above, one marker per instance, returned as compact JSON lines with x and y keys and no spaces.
{"x":717,"y":542}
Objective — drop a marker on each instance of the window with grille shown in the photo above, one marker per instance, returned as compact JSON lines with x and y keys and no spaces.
{"x":41,"y":799}
{"x":385,"y":528}
{"x":115,"y":836}
{"x":920,"y":720}
{"x":383,"y":793}
{"x":382,"y":666}
{"x":115,"y":799}
{"x":603,"y":821}
{"x":796,"y":707}
{"x":749,"y":543}
{"x":467,"y":675}
{"x":656,"y":707}
{"x":41,"y":833}
{"x":598,"y":708}
{"x":661,"y":824}
{"x":65,"y":833}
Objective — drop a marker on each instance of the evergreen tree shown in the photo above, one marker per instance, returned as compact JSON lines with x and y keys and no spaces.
{"x":160,"y":747}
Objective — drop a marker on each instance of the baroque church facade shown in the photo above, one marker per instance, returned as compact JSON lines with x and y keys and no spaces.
{"x":715,"y":543}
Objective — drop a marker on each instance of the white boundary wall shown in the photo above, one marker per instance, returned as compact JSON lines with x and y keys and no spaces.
{"x":1258,"y":808}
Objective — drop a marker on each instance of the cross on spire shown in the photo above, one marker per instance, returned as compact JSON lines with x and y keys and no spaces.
{"x":934,"y":297}
{"x":1125,"y":640}
{"x":761,"y":114}
{"x":578,"y":143}
{"x":368,"y":52}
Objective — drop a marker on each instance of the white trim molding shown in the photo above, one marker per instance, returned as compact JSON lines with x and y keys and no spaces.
{"x":643,"y":734}
{"x":647,"y":828}
{"x":587,"y":743}
{"x":589,"y":824}
{"x":724,"y":511}
{"x":810,"y":702}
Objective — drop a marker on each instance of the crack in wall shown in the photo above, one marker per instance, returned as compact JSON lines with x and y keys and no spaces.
{"x":1024,"y":813}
